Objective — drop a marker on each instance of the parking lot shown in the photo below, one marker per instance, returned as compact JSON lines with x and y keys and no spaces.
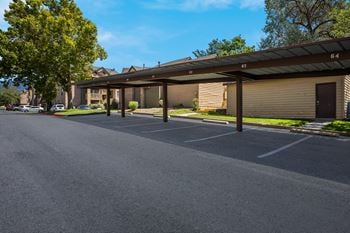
{"x":317,"y":156}
{"x":138,"y":174}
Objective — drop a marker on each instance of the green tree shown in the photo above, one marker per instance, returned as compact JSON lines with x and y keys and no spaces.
{"x":341,"y":27}
{"x":296,"y":21}
{"x":213,"y":48}
{"x":52,"y":43}
{"x":76,"y":47}
{"x":236,"y":45}
{"x":9,"y":95}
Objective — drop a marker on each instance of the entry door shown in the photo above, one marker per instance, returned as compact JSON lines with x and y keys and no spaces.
{"x":326,"y":100}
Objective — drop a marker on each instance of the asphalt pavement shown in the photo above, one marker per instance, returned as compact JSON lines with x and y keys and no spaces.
{"x":99,"y":174}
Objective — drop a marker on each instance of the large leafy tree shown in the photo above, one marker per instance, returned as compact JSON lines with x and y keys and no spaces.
{"x":295,"y":21}
{"x":52,"y":43}
{"x":225,"y":47}
{"x":77,"y":47}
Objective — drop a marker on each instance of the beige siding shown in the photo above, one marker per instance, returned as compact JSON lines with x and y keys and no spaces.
{"x":182,"y":94}
{"x":285,"y":98}
{"x":151,"y":97}
{"x":128,"y":96}
{"x":346,"y":91}
{"x":211,"y":95}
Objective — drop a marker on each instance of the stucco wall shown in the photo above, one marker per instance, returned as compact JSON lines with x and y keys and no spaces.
{"x":182,"y":94}
{"x":285,"y":98}
{"x":211,"y":95}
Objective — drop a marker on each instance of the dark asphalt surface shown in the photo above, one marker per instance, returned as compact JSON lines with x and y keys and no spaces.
{"x":99,"y":174}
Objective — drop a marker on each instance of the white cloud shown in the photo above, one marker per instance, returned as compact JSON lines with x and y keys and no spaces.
{"x":252,"y":4}
{"x":200,"y":5}
{"x":141,"y":39}
{"x":136,"y":38}
{"x":127,"y":45}
{"x":105,"y":36}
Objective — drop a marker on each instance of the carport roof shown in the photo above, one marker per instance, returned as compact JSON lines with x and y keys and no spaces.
{"x":323,"y":58}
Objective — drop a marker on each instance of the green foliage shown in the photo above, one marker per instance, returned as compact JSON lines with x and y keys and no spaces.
{"x":133,"y":105}
{"x":9,"y":95}
{"x":195,"y":104}
{"x":254,"y":120}
{"x":77,"y":112}
{"x":52,"y":44}
{"x":96,"y":106}
{"x":341,"y":27}
{"x":114,"y":104}
{"x":341,"y":126}
{"x":296,"y":21}
{"x":236,"y":45}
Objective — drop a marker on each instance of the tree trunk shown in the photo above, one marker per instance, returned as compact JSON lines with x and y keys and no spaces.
{"x":32,"y":101}
{"x":69,"y":97}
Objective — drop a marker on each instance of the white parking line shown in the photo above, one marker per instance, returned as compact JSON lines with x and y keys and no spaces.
{"x":208,"y":138}
{"x":284,"y":147}
{"x":344,"y":139}
{"x":170,"y":129}
{"x":136,"y":125}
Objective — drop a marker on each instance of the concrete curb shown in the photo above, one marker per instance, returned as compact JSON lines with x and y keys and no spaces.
{"x":73,"y":115}
{"x":160,"y":116}
{"x":230,"y":122}
{"x":216,"y":121}
{"x":315,"y":132}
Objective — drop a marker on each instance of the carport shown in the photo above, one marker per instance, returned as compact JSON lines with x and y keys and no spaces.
{"x":318,"y":59}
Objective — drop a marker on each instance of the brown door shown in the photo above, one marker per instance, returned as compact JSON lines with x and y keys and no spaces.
{"x":326,"y":100}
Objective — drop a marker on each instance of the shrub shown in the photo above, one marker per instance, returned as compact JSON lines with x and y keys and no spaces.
{"x":195,"y":104}
{"x":133,"y":105}
{"x":96,"y":106}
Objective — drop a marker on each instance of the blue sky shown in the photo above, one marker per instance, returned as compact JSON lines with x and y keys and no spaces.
{"x":136,"y":32}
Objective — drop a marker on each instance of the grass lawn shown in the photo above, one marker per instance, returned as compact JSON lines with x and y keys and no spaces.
{"x":217,"y":116}
{"x":340,"y":126}
{"x":74,"y":112}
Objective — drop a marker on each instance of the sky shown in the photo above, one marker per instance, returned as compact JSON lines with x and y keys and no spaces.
{"x":137,"y":32}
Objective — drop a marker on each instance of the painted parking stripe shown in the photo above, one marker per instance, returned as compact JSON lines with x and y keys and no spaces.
{"x":137,"y":125}
{"x":171,"y":129}
{"x":284,"y":147}
{"x":208,"y":138}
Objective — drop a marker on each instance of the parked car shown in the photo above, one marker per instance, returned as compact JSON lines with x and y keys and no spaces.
{"x":84,"y":107}
{"x":57,"y":107}
{"x":24,"y":108}
{"x":35,"y":109}
{"x":17,"y":108}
